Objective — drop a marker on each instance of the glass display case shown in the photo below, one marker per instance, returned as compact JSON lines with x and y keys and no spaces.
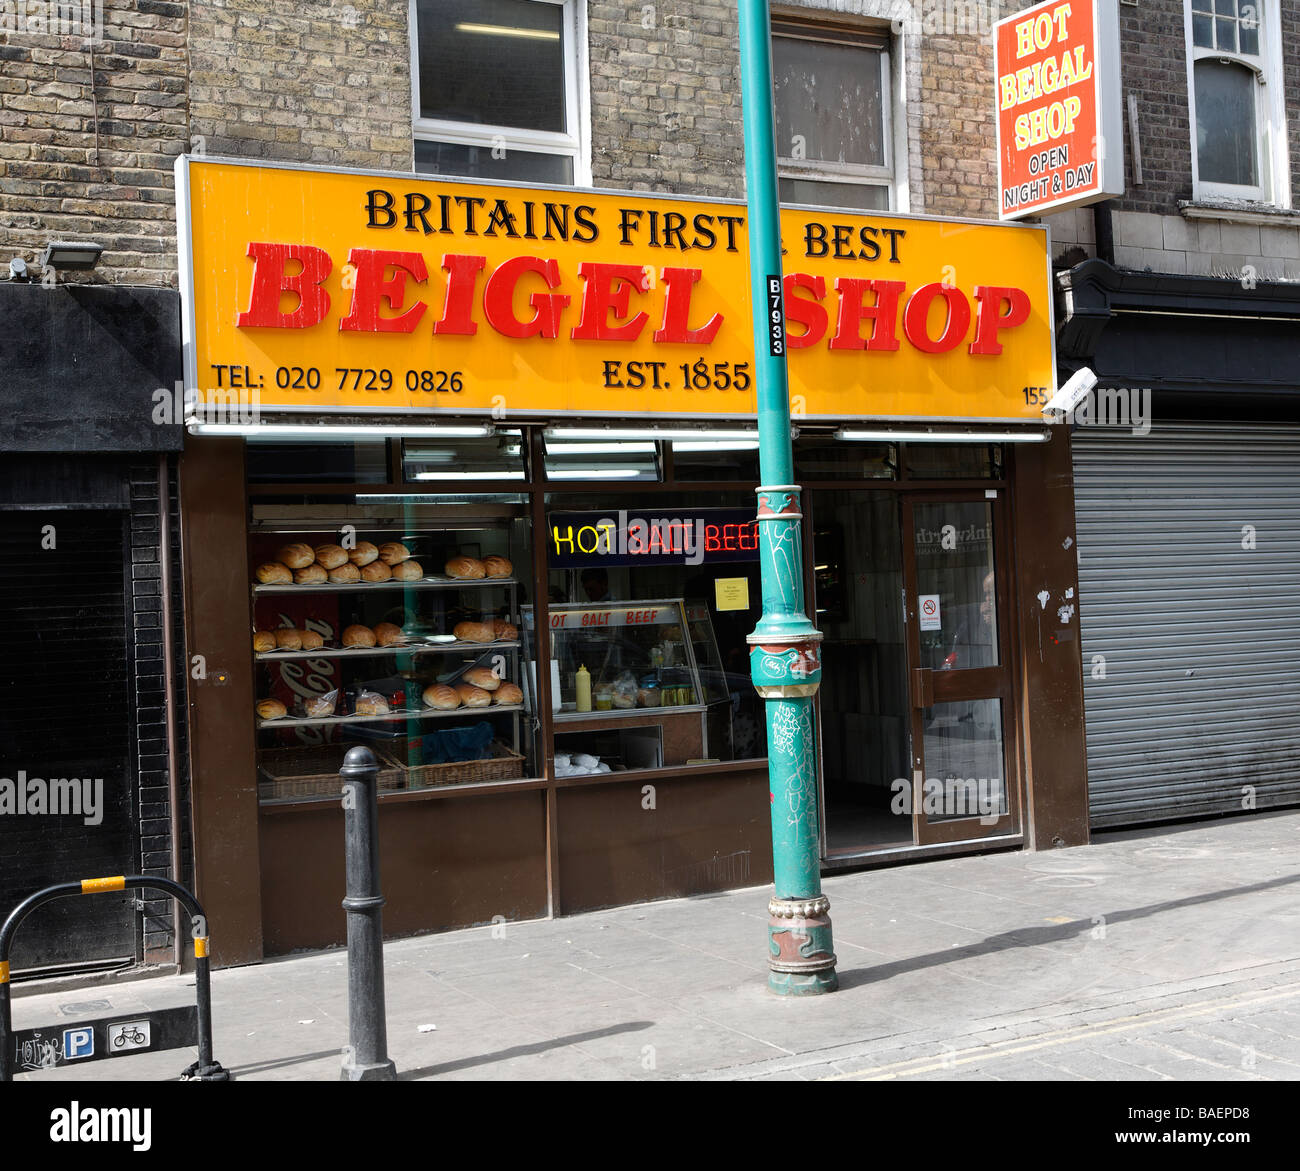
{"x":630,"y":692}
{"x":414,"y":652}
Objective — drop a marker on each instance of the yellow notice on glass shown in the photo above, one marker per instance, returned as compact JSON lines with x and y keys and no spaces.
{"x":732,"y":593}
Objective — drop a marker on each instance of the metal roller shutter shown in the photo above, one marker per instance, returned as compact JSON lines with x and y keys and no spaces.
{"x":1191,"y":639}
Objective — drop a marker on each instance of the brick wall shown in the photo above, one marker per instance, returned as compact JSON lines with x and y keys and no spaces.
{"x":87,"y":140}
{"x":665,"y":97}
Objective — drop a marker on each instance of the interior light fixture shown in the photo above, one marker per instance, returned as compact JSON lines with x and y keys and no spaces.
{"x":856,"y":435}
{"x":310,"y":431}
{"x":561,"y":447}
{"x":502,"y":30}
{"x":469,"y":475}
{"x":715,"y":445}
{"x":621,"y":434}
{"x":69,"y":256}
{"x":594,"y":474}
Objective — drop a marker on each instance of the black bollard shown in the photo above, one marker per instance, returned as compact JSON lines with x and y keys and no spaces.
{"x":366,"y":1059}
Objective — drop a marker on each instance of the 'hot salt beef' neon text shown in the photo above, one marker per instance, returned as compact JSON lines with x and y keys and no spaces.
{"x":382,"y":302}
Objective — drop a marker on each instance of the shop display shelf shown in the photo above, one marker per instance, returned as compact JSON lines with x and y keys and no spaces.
{"x":351,"y":652}
{"x":429,"y":582}
{"x":626,"y":713}
{"x":392,"y":717}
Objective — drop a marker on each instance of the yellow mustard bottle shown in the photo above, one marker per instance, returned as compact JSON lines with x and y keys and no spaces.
{"x":582,"y":685}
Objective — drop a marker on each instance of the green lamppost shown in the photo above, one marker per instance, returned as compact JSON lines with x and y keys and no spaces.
{"x":785,"y":648}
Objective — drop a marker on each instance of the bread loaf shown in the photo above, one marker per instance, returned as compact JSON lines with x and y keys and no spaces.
{"x":442,"y":697}
{"x":393,"y":553}
{"x":503,"y":631}
{"x":345,"y":574}
{"x":376,"y":571}
{"x":389,"y":634}
{"x":507,"y":693}
{"x":473,"y":696}
{"x":331,"y":556}
{"x":358,"y":636}
{"x":319,"y":705}
{"x":469,"y":568}
{"x":407,"y":571}
{"x":296,"y":556}
{"x":363,"y":554}
{"x":271,"y":709}
{"x":288,"y":639}
{"x":473,"y":631}
{"x":263,"y":641}
{"x":313,"y":574}
{"x":273,"y":573}
{"x":310,"y":640}
{"x":482,"y":677}
{"x":370,"y":704}
{"x":498,"y":566}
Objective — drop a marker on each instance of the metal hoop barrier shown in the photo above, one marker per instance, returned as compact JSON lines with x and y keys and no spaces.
{"x":206,"y":1069}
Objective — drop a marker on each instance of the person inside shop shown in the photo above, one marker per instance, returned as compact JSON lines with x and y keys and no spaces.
{"x":595,"y":584}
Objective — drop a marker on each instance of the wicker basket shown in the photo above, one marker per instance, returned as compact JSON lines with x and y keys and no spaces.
{"x":502,"y":765}
{"x":312,"y":770}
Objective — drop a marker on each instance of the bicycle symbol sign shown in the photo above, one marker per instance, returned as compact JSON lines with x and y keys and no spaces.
{"x":127,"y":1035}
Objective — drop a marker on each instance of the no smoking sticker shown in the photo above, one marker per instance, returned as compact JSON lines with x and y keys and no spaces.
{"x":931,"y":618}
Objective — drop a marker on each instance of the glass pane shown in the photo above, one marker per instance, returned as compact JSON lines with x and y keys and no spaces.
{"x":1225,"y":123}
{"x":1202,"y":5}
{"x":1203,"y":32}
{"x":485,"y":162}
{"x":1225,"y":7}
{"x":500,"y":457}
{"x":865,"y":707}
{"x":955,"y":580}
{"x":860,"y":196}
{"x":1250,"y":37}
{"x":499,"y":62}
{"x":828,"y":102}
{"x":948,"y":461}
{"x":1226,"y":35}
{"x":310,"y":461}
{"x":696,"y":461}
{"x":602,"y":459}
{"x":823,"y":457}
{"x":964,"y":764}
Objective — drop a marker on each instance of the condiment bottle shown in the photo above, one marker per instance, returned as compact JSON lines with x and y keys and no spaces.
{"x":582,"y":685}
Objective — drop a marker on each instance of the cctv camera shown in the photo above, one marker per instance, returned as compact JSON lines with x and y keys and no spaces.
{"x":1072,"y":393}
{"x":18,"y":269}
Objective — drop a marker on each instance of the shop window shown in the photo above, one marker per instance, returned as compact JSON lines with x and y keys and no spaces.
{"x":602,"y":459}
{"x":1234,"y":85}
{"x":949,"y":461}
{"x":392,"y":622}
{"x":501,"y":456}
{"x":499,"y":89}
{"x":834,"y":123}
{"x":715,"y":460}
{"x":823,"y":457}
{"x":309,"y":461}
{"x":650,"y":600}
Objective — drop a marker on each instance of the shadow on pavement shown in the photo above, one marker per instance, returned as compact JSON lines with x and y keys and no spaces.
{"x":519,"y":1051}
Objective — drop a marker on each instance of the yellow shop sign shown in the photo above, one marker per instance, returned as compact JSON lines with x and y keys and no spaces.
{"x":348,"y":291}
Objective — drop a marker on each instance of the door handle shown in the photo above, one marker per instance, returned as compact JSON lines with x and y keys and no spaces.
{"x":922,"y":687}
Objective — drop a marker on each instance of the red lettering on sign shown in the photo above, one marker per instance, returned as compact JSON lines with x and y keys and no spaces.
{"x":371,"y":288}
{"x":499,"y":298}
{"x":918,"y":308}
{"x":711,"y":542}
{"x":989,"y":317}
{"x":883,"y":314}
{"x":457,"y":312}
{"x":678,"y":283}
{"x":802,"y":311}
{"x":270,"y":281}
{"x":608,"y":290}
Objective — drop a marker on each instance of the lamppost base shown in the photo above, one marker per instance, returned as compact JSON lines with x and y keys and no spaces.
{"x":381,"y":1071}
{"x":800,"y":951}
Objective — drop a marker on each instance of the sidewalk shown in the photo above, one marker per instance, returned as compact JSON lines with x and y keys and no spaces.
{"x":1172,"y":953}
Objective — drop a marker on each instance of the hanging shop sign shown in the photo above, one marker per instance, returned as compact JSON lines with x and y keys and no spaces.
{"x":347,"y":291}
{"x":1060,"y":138}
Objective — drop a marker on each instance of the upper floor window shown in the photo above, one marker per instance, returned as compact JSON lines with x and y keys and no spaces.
{"x":499,"y":89}
{"x":1235,"y":84}
{"x":834,"y":129}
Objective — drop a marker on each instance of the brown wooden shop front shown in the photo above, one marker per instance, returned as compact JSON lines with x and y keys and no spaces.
{"x":684,"y":807}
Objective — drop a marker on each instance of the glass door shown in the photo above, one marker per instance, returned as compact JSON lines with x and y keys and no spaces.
{"x":964,"y":761}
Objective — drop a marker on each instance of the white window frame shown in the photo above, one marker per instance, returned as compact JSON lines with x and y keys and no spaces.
{"x":857,"y":174}
{"x":575,"y":145}
{"x":1274,"y":185}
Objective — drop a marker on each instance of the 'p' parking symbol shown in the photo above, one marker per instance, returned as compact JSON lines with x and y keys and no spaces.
{"x":78,"y":1043}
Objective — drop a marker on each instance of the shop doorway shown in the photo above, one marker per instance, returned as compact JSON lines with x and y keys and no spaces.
{"x":915,"y":723}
